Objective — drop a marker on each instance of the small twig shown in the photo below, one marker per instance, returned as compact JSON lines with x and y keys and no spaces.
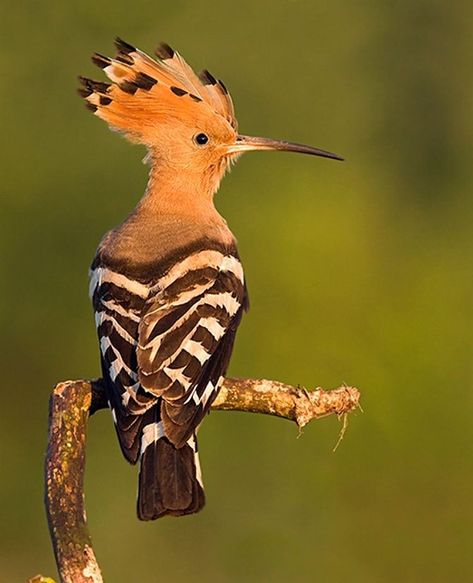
{"x":281,"y":400}
{"x":71,"y":404}
{"x":344,"y":419}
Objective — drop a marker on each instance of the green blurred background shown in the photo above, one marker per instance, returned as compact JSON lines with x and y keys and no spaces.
{"x":358,"y":272}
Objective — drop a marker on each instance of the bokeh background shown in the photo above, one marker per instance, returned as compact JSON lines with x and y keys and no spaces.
{"x":359,"y":272}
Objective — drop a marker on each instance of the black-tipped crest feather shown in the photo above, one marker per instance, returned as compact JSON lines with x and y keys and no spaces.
{"x":164,"y":51}
{"x":123,"y":46}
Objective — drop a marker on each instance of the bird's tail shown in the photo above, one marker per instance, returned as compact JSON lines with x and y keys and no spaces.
{"x":170,"y":480}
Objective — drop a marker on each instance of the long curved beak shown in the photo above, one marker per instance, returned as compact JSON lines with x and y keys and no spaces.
{"x":249,"y":143}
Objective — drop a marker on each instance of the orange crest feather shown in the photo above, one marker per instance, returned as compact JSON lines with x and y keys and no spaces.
{"x":145,"y":91}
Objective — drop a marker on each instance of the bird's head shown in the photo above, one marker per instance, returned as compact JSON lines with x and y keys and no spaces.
{"x":187,"y":121}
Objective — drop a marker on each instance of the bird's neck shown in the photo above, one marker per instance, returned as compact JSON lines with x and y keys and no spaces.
{"x":175,"y":212}
{"x":183,"y":193}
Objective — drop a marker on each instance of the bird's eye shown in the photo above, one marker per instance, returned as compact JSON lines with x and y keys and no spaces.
{"x":201,"y":139}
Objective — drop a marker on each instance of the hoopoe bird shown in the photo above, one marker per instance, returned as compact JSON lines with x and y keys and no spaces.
{"x":167,"y":284}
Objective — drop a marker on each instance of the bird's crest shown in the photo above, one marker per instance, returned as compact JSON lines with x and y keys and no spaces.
{"x":145,"y":91}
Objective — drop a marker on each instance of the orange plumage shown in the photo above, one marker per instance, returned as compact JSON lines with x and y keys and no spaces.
{"x":145,"y":93}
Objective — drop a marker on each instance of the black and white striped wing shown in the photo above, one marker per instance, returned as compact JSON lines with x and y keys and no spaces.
{"x":118,"y":304}
{"x":186,"y":336}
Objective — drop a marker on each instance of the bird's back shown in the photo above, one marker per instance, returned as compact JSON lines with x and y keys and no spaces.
{"x":167,"y":308}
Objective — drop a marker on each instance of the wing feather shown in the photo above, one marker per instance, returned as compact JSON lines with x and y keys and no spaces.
{"x":185,"y":341}
{"x":166,"y":345}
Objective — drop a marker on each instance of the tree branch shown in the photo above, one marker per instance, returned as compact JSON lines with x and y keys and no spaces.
{"x":72,"y":402}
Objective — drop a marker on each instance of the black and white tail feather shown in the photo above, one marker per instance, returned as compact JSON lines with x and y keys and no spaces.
{"x":165,"y":344}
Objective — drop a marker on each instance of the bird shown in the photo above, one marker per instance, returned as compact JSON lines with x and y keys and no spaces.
{"x":167,"y":284}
